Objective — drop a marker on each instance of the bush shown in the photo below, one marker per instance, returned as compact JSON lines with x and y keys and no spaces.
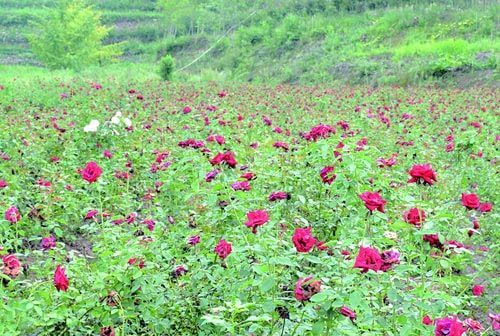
{"x":71,"y":37}
{"x":167,"y":65}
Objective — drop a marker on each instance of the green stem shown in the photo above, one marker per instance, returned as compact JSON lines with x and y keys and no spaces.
{"x":283,"y":328}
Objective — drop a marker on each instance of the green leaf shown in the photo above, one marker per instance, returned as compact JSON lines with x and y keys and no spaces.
{"x":355,"y":299}
{"x":268,"y":306}
{"x":321,"y":296}
{"x":302,"y":199}
{"x":317,"y":328}
{"x":267,"y":284}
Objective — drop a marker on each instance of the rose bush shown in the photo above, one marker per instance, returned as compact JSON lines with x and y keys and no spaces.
{"x":247,"y":210}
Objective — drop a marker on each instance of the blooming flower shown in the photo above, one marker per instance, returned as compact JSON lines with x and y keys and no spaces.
{"x":48,"y":243}
{"x":11,"y":266}
{"x":193,"y":240}
{"x":470,"y":201}
{"x":477,"y":290}
{"x":485,"y":207}
{"x":433,"y":240}
{"x":422,"y":173}
{"x":227,"y":157}
{"x":319,"y":131}
{"x":60,"y":279}
{"x":448,"y":326}
{"x":305,"y":288}
{"x":344,"y":310}
{"x":368,"y":258}
{"x":327,"y":175}
{"x":241,"y":185}
{"x":12,"y":214}
{"x":278,"y":195}
{"x":373,"y":201}
{"x":92,"y":126}
{"x":91,"y":172}
{"x":303,"y":239}
{"x":223,"y":249}
{"x":256,"y":218}
{"x":414,"y":216}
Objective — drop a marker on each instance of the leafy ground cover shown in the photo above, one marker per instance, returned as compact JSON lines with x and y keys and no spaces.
{"x":175,"y":209}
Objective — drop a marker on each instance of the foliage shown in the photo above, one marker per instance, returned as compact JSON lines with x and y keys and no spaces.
{"x":151,"y":174}
{"x":71,"y":37}
{"x":167,"y":65}
{"x":357,"y":42}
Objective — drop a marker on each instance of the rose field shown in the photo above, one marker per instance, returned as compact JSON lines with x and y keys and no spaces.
{"x":169,"y":208}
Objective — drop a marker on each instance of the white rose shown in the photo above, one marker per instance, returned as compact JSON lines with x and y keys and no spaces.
{"x":92,"y":126}
{"x":115,"y":120}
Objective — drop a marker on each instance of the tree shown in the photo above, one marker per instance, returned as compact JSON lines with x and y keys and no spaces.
{"x":167,"y":65}
{"x":71,"y":37}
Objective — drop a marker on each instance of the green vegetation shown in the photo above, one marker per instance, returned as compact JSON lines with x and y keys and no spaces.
{"x":355,"y":42}
{"x":167,"y":65}
{"x":71,"y":37}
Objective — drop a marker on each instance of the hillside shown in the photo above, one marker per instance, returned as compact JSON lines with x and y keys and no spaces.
{"x":311,"y":42}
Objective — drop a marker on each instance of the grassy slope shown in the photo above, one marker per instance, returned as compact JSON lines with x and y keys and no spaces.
{"x":401,"y":45}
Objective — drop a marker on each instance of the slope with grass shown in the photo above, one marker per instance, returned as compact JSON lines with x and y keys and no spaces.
{"x":286,"y":43}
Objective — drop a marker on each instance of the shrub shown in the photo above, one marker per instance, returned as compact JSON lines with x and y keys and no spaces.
{"x":71,"y":37}
{"x":167,"y":65}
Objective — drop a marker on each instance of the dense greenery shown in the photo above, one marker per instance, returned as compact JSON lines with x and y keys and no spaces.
{"x":373,"y":42}
{"x":167,"y":65}
{"x":71,"y":37}
{"x":189,"y":189}
{"x":126,"y":234}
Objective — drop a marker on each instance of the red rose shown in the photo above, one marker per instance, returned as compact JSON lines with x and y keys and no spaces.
{"x":256,"y":218}
{"x":422,"y":174}
{"x":433,"y":240}
{"x":282,"y":145}
{"x":347,"y":312}
{"x":368,"y":258}
{"x":474,"y":325}
{"x":495,"y":321}
{"x":373,"y":201}
{"x":227,"y":157}
{"x":305,"y":288}
{"x":241,"y":185}
{"x":477,"y":290}
{"x":12,"y":214}
{"x":248,"y":176}
{"x":449,"y":326}
{"x":48,"y":243}
{"x":60,"y":279}
{"x":223,"y":249}
{"x":427,"y":320}
{"x":11,"y":266}
{"x":470,"y":201}
{"x":278,"y":195}
{"x":485,"y":207}
{"x":107,"y":331}
{"x":319,"y":131}
{"x":327,"y":175}
{"x":91,"y":172}
{"x":303,"y":239}
{"x":107,"y":154}
{"x":389,"y":258}
{"x":414,"y":216}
